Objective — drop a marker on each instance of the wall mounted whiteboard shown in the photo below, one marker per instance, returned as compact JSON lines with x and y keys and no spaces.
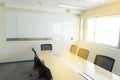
{"x":34,"y":24}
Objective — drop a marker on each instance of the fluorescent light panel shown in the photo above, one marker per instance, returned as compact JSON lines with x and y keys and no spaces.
{"x":68,"y":6}
{"x":95,"y":1}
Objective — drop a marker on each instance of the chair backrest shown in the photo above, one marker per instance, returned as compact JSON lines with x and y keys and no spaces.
{"x":104,"y":62}
{"x":73,"y":49}
{"x":46,"y":46}
{"x":34,"y":51}
{"x":35,"y":54}
{"x":83,"y":53}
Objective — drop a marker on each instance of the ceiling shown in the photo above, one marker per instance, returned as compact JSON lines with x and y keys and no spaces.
{"x":53,"y":4}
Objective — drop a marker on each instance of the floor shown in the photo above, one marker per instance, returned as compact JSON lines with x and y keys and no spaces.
{"x":18,"y":71}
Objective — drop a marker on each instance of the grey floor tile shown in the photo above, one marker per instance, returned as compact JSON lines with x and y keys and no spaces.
{"x":18,"y":71}
{"x":7,"y":67}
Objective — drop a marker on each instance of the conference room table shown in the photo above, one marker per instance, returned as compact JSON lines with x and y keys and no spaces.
{"x":66,"y":66}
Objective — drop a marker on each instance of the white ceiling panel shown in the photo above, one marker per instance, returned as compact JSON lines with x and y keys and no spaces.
{"x":53,"y":4}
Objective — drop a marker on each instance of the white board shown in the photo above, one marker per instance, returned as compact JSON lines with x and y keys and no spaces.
{"x":33,"y":24}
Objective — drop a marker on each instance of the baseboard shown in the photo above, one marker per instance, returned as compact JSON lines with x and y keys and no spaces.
{"x":16,"y":61}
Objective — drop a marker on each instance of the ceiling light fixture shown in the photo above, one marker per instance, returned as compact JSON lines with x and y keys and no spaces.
{"x":69,"y":6}
{"x":96,"y":1}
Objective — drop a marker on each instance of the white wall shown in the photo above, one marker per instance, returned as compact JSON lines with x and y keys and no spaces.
{"x":21,"y":50}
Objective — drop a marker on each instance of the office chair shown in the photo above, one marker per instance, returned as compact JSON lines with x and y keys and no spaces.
{"x":36,"y":59}
{"x":83,"y":53}
{"x":46,"y":47}
{"x":45,"y":73}
{"x":104,"y":62}
{"x":73,"y":49}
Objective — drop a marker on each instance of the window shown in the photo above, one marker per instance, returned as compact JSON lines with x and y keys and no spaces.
{"x":90,"y":30}
{"x":81,"y":28}
{"x":103,"y":30}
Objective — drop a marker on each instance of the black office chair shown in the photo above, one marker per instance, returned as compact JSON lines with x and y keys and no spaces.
{"x":104,"y":62}
{"x":46,"y":47}
{"x":36,"y":59}
{"x":44,"y":72}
